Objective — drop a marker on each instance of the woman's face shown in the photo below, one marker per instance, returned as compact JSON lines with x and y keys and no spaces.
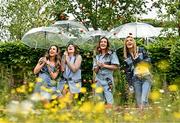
{"x":103,"y":44}
{"x":129,"y":43}
{"x":53,"y":51}
{"x":71,"y":48}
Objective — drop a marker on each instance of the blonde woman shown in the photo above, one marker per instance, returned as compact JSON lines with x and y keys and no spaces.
{"x":137,"y":70}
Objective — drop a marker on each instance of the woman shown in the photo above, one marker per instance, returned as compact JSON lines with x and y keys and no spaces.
{"x":47,"y":69}
{"x":137,"y":70}
{"x":105,"y":62}
{"x":71,"y":63}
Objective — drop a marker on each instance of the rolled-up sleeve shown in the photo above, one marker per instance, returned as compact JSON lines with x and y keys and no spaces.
{"x":115,"y":59}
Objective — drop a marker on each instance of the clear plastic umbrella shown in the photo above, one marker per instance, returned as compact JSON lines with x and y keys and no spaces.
{"x":43,"y":37}
{"x":92,"y":37}
{"x":139,"y":30}
{"x":74,"y":30}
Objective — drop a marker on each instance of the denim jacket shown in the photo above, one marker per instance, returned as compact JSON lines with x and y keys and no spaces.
{"x":130,"y":63}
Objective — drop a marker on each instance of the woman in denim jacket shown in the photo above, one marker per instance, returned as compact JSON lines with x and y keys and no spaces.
{"x":105,"y":62}
{"x":137,"y":70}
{"x":71,"y":67}
{"x":48,"y":69}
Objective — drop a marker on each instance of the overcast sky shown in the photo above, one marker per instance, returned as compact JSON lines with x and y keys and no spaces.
{"x":151,"y":14}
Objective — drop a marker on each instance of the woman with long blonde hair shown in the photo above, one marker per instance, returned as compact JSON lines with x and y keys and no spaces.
{"x":137,"y":70}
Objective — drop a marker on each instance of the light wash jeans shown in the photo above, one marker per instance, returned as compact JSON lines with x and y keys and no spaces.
{"x":142,"y":88}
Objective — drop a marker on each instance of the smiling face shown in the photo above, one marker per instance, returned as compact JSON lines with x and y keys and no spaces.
{"x":53,"y":51}
{"x":71,"y":48}
{"x":130,"y":42}
{"x":103,"y":44}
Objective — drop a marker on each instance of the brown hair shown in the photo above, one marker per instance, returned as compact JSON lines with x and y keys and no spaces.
{"x":125,"y":51}
{"x":98,"y":49}
{"x":57,"y":57}
{"x":75,"y":48}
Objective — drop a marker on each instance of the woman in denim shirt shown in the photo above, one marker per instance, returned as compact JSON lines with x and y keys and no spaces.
{"x":137,"y":70}
{"x":48,"y":69}
{"x":105,"y":62}
{"x":71,"y":67}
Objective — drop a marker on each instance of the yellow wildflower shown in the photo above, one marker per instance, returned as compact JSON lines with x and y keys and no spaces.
{"x":47,"y":105}
{"x":86,"y":107}
{"x":76,"y":96}
{"x":99,"y":107}
{"x":155,"y":95}
{"x":62,"y":105}
{"x":54,"y":96}
{"x":31,"y":84}
{"x":173,"y":88}
{"x":39,"y":79}
{"x":99,"y":90}
{"x":176,"y":115}
{"x":54,"y":110}
{"x":93,"y":85}
{"x":83,"y":90}
{"x":163,"y":65}
{"x":142,"y":69}
{"x":128,"y":117}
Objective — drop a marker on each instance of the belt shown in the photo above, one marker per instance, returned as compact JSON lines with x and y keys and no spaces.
{"x":67,"y":79}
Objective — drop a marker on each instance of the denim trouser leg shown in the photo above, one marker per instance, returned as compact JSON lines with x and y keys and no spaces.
{"x":142,"y":89}
{"x":145,"y":91}
{"x":138,"y":91}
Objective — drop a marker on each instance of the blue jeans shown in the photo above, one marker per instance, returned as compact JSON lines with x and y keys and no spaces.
{"x":142,"y":88}
{"x":106,"y":95}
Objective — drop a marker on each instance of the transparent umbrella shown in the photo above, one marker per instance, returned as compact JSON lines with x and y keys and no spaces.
{"x":92,"y":37}
{"x":74,"y":30}
{"x":43,"y":37}
{"x":138,"y":30}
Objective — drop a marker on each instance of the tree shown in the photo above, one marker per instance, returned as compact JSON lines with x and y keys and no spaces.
{"x":27,"y":14}
{"x":4,"y":34}
{"x":104,"y":14}
{"x":169,"y":10}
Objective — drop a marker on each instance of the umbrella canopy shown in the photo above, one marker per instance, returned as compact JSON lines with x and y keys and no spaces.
{"x":140,"y":30}
{"x":43,"y":37}
{"x":92,"y":37}
{"x":74,"y":30}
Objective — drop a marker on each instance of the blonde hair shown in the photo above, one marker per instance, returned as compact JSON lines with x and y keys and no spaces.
{"x":135,"y":50}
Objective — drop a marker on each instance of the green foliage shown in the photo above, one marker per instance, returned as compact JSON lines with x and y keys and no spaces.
{"x":26,"y":14}
{"x":17,"y":61}
{"x":175,"y":59}
{"x":171,"y":13}
{"x":104,"y":14}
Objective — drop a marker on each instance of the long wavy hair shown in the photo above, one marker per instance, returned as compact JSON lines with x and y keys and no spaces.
{"x":76,"y":52}
{"x":126,"y":50}
{"x":98,"y":49}
{"x":57,"y":57}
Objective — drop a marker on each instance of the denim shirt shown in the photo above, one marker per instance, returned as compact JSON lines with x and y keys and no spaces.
{"x":131,"y":63}
{"x":44,"y":73}
{"x":111,"y":59}
{"x":68,"y":73}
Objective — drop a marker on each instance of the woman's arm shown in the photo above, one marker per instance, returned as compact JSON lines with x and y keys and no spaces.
{"x":110,"y":67}
{"x":75,"y":66}
{"x":40,"y":64}
{"x":53,"y":74}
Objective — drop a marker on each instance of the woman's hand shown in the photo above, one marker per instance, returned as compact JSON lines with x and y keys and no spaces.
{"x":100,"y":64}
{"x":137,"y":55}
{"x":66,"y":56}
{"x":42,"y":60}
